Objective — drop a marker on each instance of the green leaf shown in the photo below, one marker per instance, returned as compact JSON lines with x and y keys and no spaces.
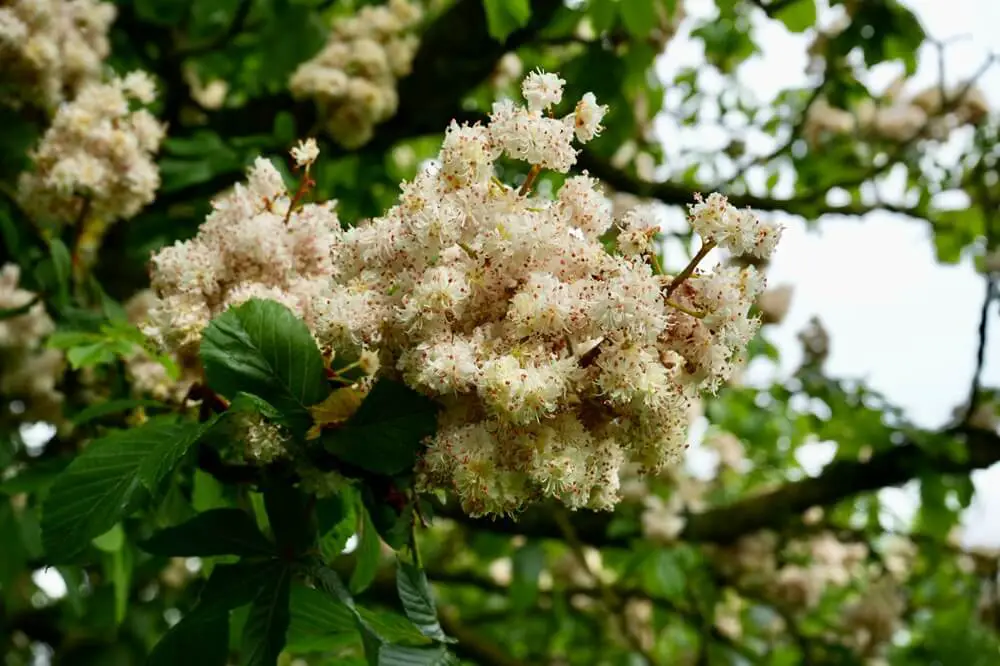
{"x":207,"y":493}
{"x":215,"y":532}
{"x":267,"y":623}
{"x":96,"y":490}
{"x":112,"y":540}
{"x":386,"y":432}
{"x":328,"y":581}
{"x":368,"y":555}
{"x":505,"y":16}
{"x":603,"y":14}
{"x":102,"y":409}
{"x":798,"y":16}
{"x":62,"y":265}
{"x":162,"y":459}
{"x":89,"y":356}
{"x":118,"y":568}
{"x":261,"y":348}
{"x":290,"y":518}
{"x":337,"y":521}
{"x":639,"y":16}
{"x":233,"y":585}
{"x":393,"y":628}
{"x":527,"y":564}
{"x":418,"y":604}
{"x":199,"y":639}
{"x":392,"y":523}
{"x":317,"y":622}
{"x":106,"y":482}
{"x":399,"y":655}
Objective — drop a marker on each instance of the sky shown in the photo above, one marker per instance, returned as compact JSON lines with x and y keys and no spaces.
{"x":897,"y":319}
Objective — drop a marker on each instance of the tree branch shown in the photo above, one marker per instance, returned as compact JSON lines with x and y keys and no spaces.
{"x":678,"y":194}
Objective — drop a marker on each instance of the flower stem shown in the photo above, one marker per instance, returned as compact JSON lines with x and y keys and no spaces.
{"x":698,"y":314}
{"x":689,"y":269}
{"x":530,"y":180}
{"x":304,"y":186}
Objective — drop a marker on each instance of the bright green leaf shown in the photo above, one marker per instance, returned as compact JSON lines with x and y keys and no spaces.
{"x":262,"y":348}
{"x":798,"y":16}
{"x":505,"y":16}
{"x":112,"y":540}
{"x":367,"y":555}
{"x":639,"y":16}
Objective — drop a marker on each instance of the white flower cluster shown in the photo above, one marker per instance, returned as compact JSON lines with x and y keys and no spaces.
{"x":252,"y":245}
{"x":96,"y":159}
{"x":353,"y":79}
{"x":929,"y":113}
{"x":872,"y":621}
{"x":146,"y":375}
{"x":555,"y":362}
{"x":816,"y":564}
{"x":49,"y":49}
{"x":29,"y":372}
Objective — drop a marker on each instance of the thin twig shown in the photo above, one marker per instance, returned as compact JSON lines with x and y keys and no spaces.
{"x":689,"y":269}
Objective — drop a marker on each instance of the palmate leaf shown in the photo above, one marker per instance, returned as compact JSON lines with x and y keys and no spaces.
{"x":112,"y":476}
{"x":261,"y":348}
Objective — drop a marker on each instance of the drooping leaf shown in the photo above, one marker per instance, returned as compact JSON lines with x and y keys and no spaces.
{"x":215,"y":532}
{"x":261,"y":348}
{"x":418,"y":603}
{"x":386,"y":432}
{"x":267,"y":623}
